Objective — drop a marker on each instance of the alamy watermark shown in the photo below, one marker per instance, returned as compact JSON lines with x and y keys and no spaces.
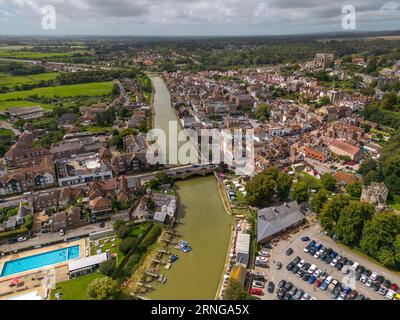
{"x":349,"y":19}
{"x":49,"y":17}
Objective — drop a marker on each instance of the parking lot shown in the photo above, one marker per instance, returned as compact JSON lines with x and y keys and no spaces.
{"x":278,"y":254}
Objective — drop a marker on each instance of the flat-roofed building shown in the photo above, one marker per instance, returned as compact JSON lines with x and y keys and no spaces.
{"x":86,"y":265}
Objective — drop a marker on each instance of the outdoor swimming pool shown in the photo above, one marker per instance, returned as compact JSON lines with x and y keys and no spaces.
{"x":39,"y":260}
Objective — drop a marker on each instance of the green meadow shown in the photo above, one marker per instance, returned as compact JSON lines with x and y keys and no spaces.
{"x":9,"y":80}
{"x":34,"y":55}
{"x":84,"y":89}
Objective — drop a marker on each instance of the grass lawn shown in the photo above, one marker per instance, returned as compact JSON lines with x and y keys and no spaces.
{"x":107,"y":246}
{"x":96,"y":129}
{"x":74,"y":289}
{"x":138,"y":229}
{"x":12,"y":104}
{"x":9,"y":80}
{"x":84,"y":89}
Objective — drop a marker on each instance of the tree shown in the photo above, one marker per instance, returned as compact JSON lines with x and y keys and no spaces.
{"x":127,"y":244}
{"x":380,"y":233}
{"x":103,"y":288}
{"x":154,"y":184}
{"x":235,"y":291}
{"x":150,"y":204}
{"x":107,"y":268}
{"x":123,"y":231}
{"x":330,"y":212}
{"x":300,"y":192}
{"x":328,"y":182}
{"x":263,"y":112}
{"x":163,"y":178}
{"x":283,"y":185}
{"x":351,"y":222}
{"x":260,"y":190}
{"x":318,"y":200}
{"x":386,"y":257}
{"x":354,"y":189}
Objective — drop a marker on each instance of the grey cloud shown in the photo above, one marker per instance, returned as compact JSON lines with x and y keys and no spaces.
{"x":204,"y":13}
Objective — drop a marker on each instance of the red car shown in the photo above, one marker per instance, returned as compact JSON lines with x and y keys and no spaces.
{"x":394,"y":287}
{"x":318,"y":283}
{"x":256,"y":291}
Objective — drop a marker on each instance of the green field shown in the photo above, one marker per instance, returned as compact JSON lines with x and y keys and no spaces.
{"x":9,"y":80}
{"x":84,"y":89}
{"x":12,"y":104}
{"x":33,"y":55}
{"x":75,"y":289}
{"x":97,"y":129}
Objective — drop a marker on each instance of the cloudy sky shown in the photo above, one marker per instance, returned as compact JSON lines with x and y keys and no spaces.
{"x":194,"y":17}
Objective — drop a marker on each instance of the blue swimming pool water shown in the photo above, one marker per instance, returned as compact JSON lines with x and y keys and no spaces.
{"x":39,"y":260}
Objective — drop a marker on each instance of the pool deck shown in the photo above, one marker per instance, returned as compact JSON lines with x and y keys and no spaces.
{"x":28,"y":279}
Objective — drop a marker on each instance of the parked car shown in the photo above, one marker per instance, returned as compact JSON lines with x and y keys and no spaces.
{"x":288,"y":285}
{"x":394,"y":287}
{"x":62,"y":232}
{"x":342,"y":296}
{"x":335,"y":294}
{"x":390,"y":294}
{"x":305,"y":239}
{"x":312,"y":269}
{"x":301,"y":263}
{"x":293,"y":291}
{"x":387,"y":283}
{"x":353,"y":294}
{"x":382,"y":291}
{"x":364,"y":279}
{"x":317,"y":273}
{"x":296,"y":260}
{"x":311,"y":279}
{"x":290,"y":266}
{"x":328,"y":279}
{"x":369,"y":283}
{"x":289,"y":251}
{"x":380,"y":279}
{"x":306,"y":276}
{"x":355,"y":266}
{"x":271,"y":287}
{"x":305,"y":296}
{"x":264,"y":253}
{"x":256,"y":291}
{"x":295,"y":269}
{"x":298,"y":294}
{"x":318,"y":283}
{"x":258,"y":284}
{"x":22,"y":239}
{"x":281,"y":283}
{"x":324,"y":286}
{"x":278,"y":266}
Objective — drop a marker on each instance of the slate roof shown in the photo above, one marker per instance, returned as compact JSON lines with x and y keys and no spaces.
{"x":273,"y":220}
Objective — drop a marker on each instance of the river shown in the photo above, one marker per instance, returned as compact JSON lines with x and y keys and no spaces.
{"x":203,"y":222}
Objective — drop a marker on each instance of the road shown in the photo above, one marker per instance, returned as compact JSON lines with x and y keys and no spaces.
{"x":53,"y":237}
{"x":7,"y":125}
{"x":294,"y":242}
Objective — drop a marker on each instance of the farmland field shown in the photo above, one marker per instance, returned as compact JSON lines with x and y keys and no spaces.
{"x":9,"y":80}
{"x":85,"y":89}
{"x":12,"y":104}
{"x":34,"y":55}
